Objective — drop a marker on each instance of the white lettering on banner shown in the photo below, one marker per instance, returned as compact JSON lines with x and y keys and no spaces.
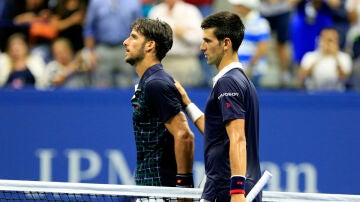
{"x":45,"y":156}
{"x":119,"y":167}
{"x":295,"y":175}
{"x":75,"y":172}
{"x":294,"y":172}
{"x":227,"y":95}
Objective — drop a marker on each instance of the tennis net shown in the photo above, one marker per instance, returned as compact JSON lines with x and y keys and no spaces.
{"x":17,"y":190}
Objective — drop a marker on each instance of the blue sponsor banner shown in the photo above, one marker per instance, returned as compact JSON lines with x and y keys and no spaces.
{"x":309,"y":141}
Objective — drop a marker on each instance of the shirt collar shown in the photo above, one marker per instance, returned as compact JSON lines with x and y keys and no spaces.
{"x":231,"y":66}
{"x":151,"y":71}
{"x":148,"y":73}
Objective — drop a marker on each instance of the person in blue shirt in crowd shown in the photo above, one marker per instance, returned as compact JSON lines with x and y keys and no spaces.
{"x":309,"y":18}
{"x":256,"y":43}
{"x":107,"y":25}
{"x":231,"y":121}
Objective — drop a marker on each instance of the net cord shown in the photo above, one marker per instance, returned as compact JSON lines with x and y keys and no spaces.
{"x":100,"y":189}
{"x":149,"y":191}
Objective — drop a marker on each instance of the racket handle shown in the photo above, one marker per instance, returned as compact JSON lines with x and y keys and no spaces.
{"x":259,"y":186}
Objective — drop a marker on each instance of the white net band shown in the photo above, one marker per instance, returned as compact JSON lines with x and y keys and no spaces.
{"x":150,"y":192}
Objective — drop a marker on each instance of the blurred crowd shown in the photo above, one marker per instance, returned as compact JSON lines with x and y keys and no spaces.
{"x":295,"y":44}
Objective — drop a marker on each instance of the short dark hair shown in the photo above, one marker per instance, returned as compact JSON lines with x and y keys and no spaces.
{"x":155,"y":30}
{"x":227,"y":25}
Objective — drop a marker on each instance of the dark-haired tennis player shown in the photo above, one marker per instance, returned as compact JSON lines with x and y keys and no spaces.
{"x":231,"y":122}
{"x":164,"y":141}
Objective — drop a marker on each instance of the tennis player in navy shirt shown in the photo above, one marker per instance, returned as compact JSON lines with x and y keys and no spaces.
{"x":164,"y":141}
{"x":231,"y":121}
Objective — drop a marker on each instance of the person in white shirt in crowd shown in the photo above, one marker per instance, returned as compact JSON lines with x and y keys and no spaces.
{"x":326,"y":68}
{"x":67,"y":70}
{"x":253,"y":51}
{"x":18,"y":68}
{"x":182,"y":61}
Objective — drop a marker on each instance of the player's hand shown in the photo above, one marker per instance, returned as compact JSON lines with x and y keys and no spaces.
{"x":238,"y":198}
{"x":184,"y":97}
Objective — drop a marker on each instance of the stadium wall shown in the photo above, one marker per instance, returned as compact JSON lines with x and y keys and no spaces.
{"x":309,"y":141}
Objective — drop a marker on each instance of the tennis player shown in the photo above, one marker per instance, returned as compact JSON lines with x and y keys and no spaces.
{"x":164,"y":141}
{"x":231,"y":122}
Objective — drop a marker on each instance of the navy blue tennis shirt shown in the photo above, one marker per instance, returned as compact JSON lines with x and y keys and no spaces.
{"x":156,"y":99}
{"x":232,"y":97}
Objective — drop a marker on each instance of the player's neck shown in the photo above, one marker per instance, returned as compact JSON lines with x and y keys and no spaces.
{"x":226,"y":60}
{"x":145,"y":64}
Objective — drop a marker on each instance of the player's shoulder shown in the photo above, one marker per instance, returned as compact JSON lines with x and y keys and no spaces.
{"x":235,"y":78}
{"x":157,"y":82}
{"x":159,"y":78}
{"x":160,"y":83}
{"x":233,"y":75}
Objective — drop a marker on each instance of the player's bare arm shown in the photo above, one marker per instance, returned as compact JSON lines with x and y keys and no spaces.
{"x":184,"y":142}
{"x":237,"y":151}
{"x":200,"y":121}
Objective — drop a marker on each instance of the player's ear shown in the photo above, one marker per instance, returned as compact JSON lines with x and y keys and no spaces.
{"x":150,"y":45}
{"x":227,"y":43}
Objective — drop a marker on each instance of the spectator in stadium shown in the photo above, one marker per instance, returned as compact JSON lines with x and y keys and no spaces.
{"x":340,"y":18}
{"x":309,"y":18}
{"x":67,"y":70}
{"x":18,"y":68}
{"x":253,"y":52}
{"x":278,"y":14}
{"x":231,"y":121}
{"x":164,"y":141}
{"x":32,"y":18}
{"x":68,"y":18}
{"x":107,"y":24}
{"x":182,"y":61}
{"x":146,"y":6}
{"x":205,"y":6}
{"x":326,"y":68}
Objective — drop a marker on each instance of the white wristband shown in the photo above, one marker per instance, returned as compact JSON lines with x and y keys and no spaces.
{"x":193,"y":112}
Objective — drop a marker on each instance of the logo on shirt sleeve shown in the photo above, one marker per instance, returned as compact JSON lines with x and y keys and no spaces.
{"x":228,"y":95}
